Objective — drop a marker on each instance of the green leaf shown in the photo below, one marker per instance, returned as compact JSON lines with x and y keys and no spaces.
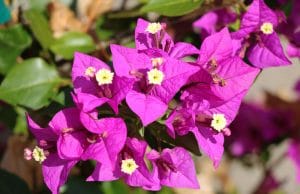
{"x":31,"y":83}
{"x":287,"y":8}
{"x":126,"y":14}
{"x":67,"y":2}
{"x":64,"y":97}
{"x":130,"y":44}
{"x":188,"y":142}
{"x":21,"y":124}
{"x":11,"y":184}
{"x":114,"y":187}
{"x":143,"y":1}
{"x":156,"y":135}
{"x":8,"y":116}
{"x":236,"y":25}
{"x":70,"y":42}
{"x":166,"y":190}
{"x":40,"y":27}
{"x":138,"y":191}
{"x":79,"y":186}
{"x":277,"y":191}
{"x":171,"y":7}
{"x":265,"y":155}
{"x":102,"y":33}
{"x":13,"y":41}
{"x":40,"y":5}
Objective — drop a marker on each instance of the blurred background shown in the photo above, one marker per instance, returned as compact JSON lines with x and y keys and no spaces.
{"x":37,"y":42}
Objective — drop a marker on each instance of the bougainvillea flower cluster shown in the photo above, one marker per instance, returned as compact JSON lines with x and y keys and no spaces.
{"x":163,"y":86}
{"x":290,"y":28}
{"x":256,"y":126}
{"x":257,"y":33}
{"x":213,"y":21}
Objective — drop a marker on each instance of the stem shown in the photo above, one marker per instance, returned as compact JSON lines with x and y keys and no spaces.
{"x":276,"y":162}
{"x":156,"y":39}
{"x":242,"y":6}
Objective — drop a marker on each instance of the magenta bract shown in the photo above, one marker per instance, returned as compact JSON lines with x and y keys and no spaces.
{"x":174,"y":168}
{"x":89,"y":94}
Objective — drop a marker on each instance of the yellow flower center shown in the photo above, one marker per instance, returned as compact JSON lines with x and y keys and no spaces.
{"x":153,"y":28}
{"x":267,"y":28}
{"x":38,"y":154}
{"x":155,"y":76}
{"x":157,"y":61}
{"x":128,"y":166}
{"x":90,"y":71}
{"x":219,"y":122}
{"x":104,"y":76}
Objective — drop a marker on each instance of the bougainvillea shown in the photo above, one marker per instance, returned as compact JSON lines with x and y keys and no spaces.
{"x":160,"y":83}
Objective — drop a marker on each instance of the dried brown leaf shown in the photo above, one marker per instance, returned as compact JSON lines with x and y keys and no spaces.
{"x":89,"y":10}
{"x":276,"y":102}
{"x":63,"y":19}
{"x":14,"y":162}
